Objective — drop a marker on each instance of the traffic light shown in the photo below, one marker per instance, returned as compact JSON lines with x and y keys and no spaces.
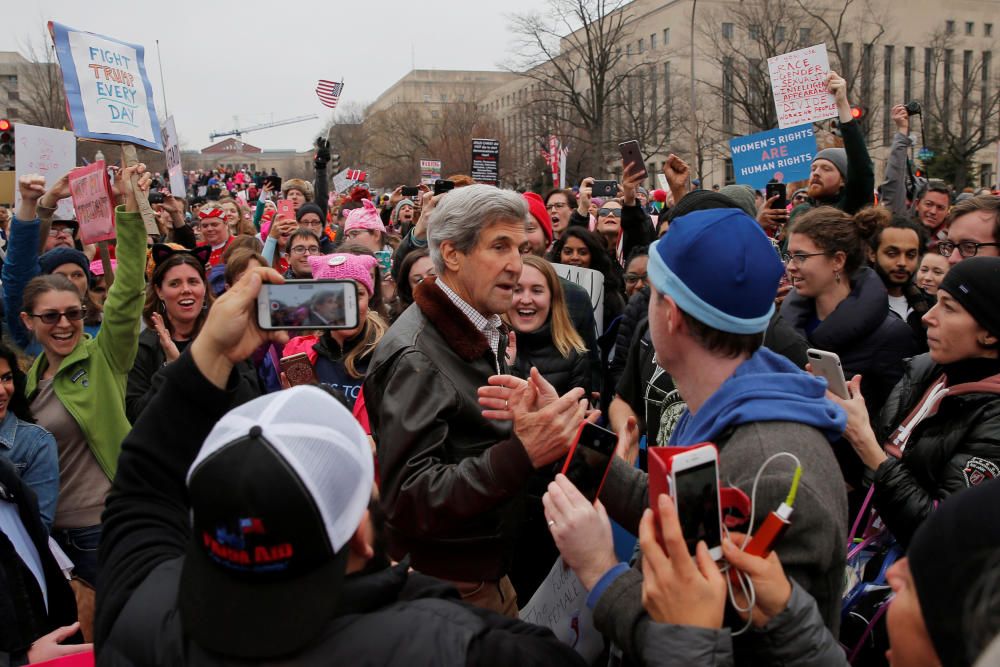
{"x":334,"y":163}
{"x":857,"y":112}
{"x":6,"y":145}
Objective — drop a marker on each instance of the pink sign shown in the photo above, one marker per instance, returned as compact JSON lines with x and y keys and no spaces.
{"x":93,"y":202}
{"x":798,"y":81}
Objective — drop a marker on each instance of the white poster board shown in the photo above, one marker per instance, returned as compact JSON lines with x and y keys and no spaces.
{"x":798,"y":82}
{"x":590,"y":280}
{"x":560,"y":604}
{"x":51,"y":153}
{"x":172,"y":153}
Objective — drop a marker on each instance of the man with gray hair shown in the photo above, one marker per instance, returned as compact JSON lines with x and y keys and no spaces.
{"x":452,"y":480}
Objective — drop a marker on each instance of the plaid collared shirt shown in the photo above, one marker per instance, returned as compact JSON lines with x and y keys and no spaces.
{"x":490,"y":327}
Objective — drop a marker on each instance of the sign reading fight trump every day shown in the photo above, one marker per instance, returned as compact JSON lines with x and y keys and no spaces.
{"x":107,"y":90}
{"x":798,"y":81}
{"x":782,"y":155}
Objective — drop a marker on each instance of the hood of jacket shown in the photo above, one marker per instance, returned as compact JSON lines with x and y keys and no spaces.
{"x":767,"y":387}
{"x":854,"y":319}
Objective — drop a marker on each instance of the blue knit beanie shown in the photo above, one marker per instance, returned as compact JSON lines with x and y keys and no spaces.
{"x":56,"y":257}
{"x":720,"y":268}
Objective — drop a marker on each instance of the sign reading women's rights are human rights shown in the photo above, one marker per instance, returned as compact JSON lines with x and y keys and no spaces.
{"x":107,"y":90}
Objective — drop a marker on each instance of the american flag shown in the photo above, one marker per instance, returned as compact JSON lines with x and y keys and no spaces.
{"x":329,"y":92}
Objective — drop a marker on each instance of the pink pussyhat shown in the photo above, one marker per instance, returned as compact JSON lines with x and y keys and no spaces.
{"x":341,"y":266}
{"x":366,"y":217}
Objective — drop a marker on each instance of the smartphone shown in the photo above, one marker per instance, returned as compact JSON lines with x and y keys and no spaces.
{"x":297,"y":369}
{"x":307,"y":305}
{"x":827,"y":365}
{"x":286,"y":209}
{"x":777,"y":189}
{"x":410,"y":191}
{"x":661,"y":180}
{"x":694,"y":486}
{"x":631,"y":154}
{"x":155,"y":197}
{"x":441,"y":186}
{"x":275,"y":182}
{"x":589,"y":459}
{"x":604,"y":189}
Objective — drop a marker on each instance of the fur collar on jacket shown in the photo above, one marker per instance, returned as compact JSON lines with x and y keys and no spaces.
{"x":455,"y":327}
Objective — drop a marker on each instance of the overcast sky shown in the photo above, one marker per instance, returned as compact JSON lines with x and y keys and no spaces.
{"x":260,"y":61}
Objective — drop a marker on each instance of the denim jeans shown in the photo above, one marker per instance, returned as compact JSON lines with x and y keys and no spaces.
{"x":80,"y":544}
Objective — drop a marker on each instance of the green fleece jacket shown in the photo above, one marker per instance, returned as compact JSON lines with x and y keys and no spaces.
{"x":90,"y":382}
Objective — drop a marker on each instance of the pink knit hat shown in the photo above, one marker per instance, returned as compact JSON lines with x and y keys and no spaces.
{"x":366,"y":217}
{"x":341,"y":266}
{"x":97,"y":269}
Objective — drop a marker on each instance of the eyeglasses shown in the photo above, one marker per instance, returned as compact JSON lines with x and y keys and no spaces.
{"x":966,"y":248}
{"x":305,"y":250}
{"x":632,"y":278}
{"x":53,"y":316}
{"x":613,"y":212}
{"x":800,"y":257}
{"x":556,"y":205}
{"x":61,"y":229}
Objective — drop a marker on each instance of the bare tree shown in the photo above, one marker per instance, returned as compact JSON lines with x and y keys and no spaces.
{"x":963,"y":116}
{"x":40,"y":88}
{"x":347,"y":135}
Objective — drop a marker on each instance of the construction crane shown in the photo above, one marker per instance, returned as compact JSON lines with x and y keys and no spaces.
{"x":238,"y":132}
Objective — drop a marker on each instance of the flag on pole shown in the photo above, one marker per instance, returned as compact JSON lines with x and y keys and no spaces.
{"x":329,"y":92}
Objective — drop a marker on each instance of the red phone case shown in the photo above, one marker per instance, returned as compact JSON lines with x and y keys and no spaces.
{"x":572,"y":451}
{"x":286,"y":209}
{"x":661,"y":461}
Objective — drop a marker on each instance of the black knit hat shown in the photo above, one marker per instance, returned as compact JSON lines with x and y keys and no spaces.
{"x":948,"y":556}
{"x":309,"y":207}
{"x":975,"y":283}
{"x":699,"y":200}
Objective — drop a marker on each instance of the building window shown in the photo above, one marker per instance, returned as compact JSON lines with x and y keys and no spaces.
{"x":728,"y":117}
{"x":642,"y":45}
{"x":652,"y":42}
{"x":949,"y":57}
{"x":887,"y":98}
{"x":11,"y":79}
{"x":13,"y":96}
{"x":949,"y":27}
{"x":666,"y":36}
{"x":435,"y":113}
{"x":928,"y":76}
{"x":779,"y":33}
{"x":427,"y":97}
{"x":754,"y":32}
{"x":984,"y":92}
{"x":667,"y":102}
{"x":805,"y":36}
{"x":970,"y":28}
{"x":730,"y":172}
{"x":908,"y":74}
{"x":987,"y":30}
{"x":727,"y":30}
{"x":628,"y":50}
{"x":12,"y":112}
{"x":847,"y":50}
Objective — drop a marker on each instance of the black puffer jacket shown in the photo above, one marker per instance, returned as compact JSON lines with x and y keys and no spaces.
{"x":954,"y":449}
{"x":536,"y":349}
{"x":869,"y":339}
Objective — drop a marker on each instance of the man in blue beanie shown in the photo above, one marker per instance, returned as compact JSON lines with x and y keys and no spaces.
{"x":713,"y":278}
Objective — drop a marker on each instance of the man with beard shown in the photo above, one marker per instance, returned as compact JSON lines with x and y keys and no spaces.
{"x":895,"y":254}
{"x":841,"y":177}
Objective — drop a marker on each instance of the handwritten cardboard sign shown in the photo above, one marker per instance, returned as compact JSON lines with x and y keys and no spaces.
{"x":93,"y":202}
{"x":172,"y":152}
{"x":590,"y":280}
{"x":50,"y":153}
{"x":784,"y":155}
{"x":798,"y":81}
{"x":560,"y":604}
{"x":107,"y":91}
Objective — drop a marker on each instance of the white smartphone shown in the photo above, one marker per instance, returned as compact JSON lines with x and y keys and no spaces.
{"x":827,"y":365}
{"x":694,"y":485}
{"x":307,"y":305}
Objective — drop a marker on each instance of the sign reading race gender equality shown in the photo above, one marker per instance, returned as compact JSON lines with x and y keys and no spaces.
{"x":107,"y":90}
{"x":782,"y":155}
{"x":486,"y":161}
{"x":93,"y":202}
{"x":798,"y":81}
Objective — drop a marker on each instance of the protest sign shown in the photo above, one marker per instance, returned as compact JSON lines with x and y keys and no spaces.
{"x":486,"y":161}
{"x":93,"y":202}
{"x":590,"y":280}
{"x":782,"y":155}
{"x":107,"y":90}
{"x":430,"y":171}
{"x":51,"y":153}
{"x":172,"y":152}
{"x":560,"y":604}
{"x":798,"y":81}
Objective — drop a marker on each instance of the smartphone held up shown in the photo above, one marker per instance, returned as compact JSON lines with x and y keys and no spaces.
{"x":308,"y":305}
{"x":589,"y":459}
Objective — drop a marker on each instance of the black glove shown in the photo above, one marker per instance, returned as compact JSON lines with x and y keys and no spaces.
{"x":322,"y":153}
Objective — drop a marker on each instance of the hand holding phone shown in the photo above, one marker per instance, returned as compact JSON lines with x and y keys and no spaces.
{"x":297,"y":369}
{"x":441,"y":186}
{"x":286,"y":209}
{"x":604,"y":189}
{"x":410,"y":191}
{"x":779,"y":190}
{"x":693,"y":484}
{"x":827,"y":365}
{"x":308,"y":305}
{"x":589,"y":459}
{"x":632,"y":156}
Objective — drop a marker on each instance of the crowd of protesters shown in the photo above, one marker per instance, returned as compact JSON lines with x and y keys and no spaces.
{"x":181,"y":486}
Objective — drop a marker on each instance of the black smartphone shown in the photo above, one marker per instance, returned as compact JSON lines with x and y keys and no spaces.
{"x":441,"y":186}
{"x":589,"y":459}
{"x":275,"y":182}
{"x":155,"y":197}
{"x":604,"y":189}
{"x":410,"y":191}
{"x":632,"y":155}
{"x":777,"y":189}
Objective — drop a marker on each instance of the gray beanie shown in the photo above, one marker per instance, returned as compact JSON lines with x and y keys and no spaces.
{"x":838,"y":156}
{"x":742,"y":196}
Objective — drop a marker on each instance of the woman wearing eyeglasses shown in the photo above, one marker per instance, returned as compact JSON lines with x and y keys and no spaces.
{"x":840,"y":305}
{"x":76,"y":387}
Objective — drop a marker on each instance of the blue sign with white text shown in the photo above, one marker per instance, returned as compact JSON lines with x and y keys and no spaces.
{"x":783,"y":155}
